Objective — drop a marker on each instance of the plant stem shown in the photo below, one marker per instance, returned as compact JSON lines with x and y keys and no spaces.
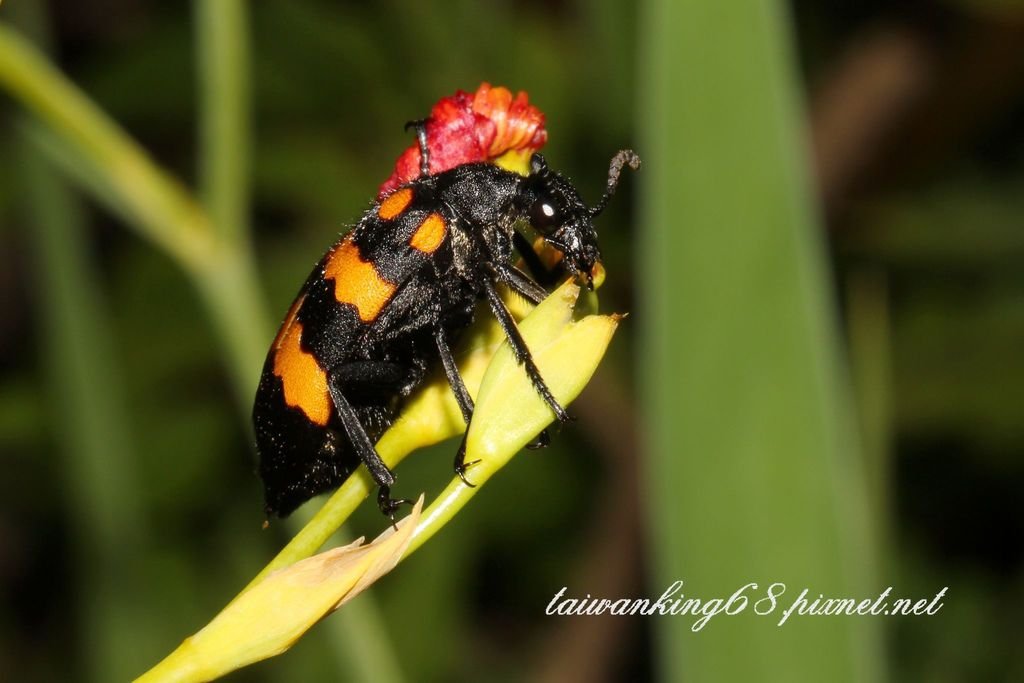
{"x":223,"y":56}
{"x":229,"y":290}
{"x":158,"y":206}
{"x":229,"y":281}
{"x":163,"y":210}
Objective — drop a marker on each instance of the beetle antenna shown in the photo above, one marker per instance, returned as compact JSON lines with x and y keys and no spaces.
{"x":625,"y":157}
{"x":421,"y":139}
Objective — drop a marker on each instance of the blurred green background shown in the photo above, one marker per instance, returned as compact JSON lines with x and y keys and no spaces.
{"x":820,"y":381}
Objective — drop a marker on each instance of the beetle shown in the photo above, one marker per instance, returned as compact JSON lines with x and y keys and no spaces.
{"x":389,"y":300}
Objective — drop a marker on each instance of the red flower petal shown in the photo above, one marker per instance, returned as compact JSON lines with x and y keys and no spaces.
{"x":465,"y":128}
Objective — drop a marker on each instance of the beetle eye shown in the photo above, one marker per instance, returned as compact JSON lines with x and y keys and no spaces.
{"x":543,"y":215}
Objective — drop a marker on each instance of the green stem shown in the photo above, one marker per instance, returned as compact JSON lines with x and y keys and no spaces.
{"x":356,"y":488}
{"x":229,"y":281}
{"x":156,"y":204}
{"x":327,"y":520}
{"x":223,"y":56}
{"x":230,"y":291}
{"x":163,"y":210}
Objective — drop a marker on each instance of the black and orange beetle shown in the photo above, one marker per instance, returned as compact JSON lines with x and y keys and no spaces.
{"x":389,"y":300}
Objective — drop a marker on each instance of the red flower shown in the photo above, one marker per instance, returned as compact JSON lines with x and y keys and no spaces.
{"x":488,"y":125}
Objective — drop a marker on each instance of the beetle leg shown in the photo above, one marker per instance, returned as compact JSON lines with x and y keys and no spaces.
{"x":542,"y":440}
{"x":451,"y":371}
{"x":520,"y":282}
{"x":460,"y":462}
{"x":360,"y":440}
{"x":462,"y":397}
{"x":523,"y":284}
{"x":421,"y":137}
{"x":540,"y":272}
{"x":388,"y":505}
{"x":374,"y":378}
{"x":526,"y":286}
{"x":521,"y":351}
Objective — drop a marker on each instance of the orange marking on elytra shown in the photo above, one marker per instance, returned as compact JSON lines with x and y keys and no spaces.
{"x":304,"y":381}
{"x":357,"y":281}
{"x":395,"y":203}
{"x":429,"y":235}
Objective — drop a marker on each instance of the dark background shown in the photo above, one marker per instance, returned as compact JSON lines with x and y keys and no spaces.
{"x":109,"y":557}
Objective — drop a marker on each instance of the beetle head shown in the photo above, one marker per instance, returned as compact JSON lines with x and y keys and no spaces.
{"x":554,"y":209}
